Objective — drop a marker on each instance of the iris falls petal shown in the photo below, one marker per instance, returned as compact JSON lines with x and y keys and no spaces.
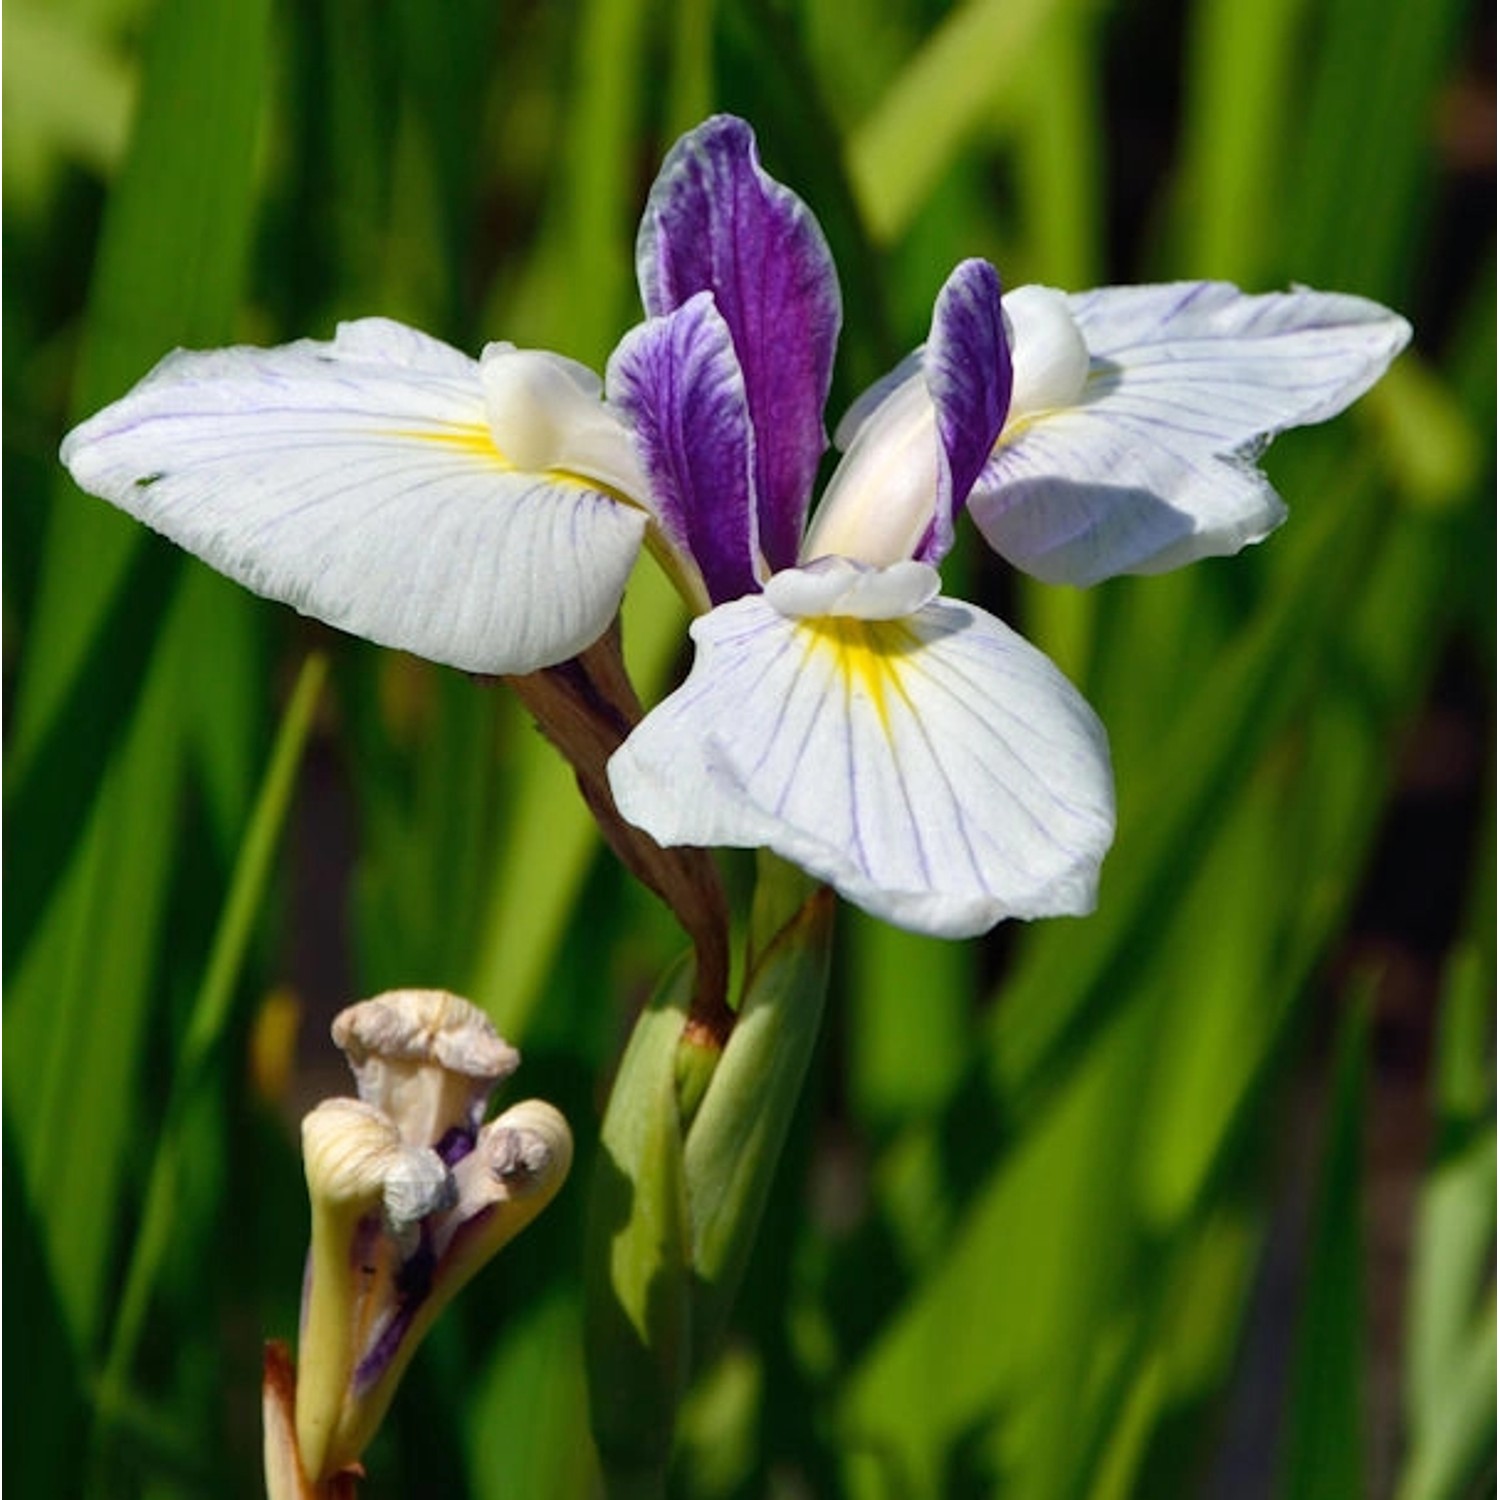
{"x":1154,"y":466}
{"x":678,"y":382}
{"x":359,"y":481}
{"x":715,"y":221}
{"x":934,"y":768}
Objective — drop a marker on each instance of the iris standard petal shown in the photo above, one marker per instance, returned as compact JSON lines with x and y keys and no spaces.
{"x":966,"y":365}
{"x":715,"y":221}
{"x":677,"y":381}
{"x":359,"y":481}
{"x":882,"y":503}
{"x":934,"y":768}
{"x":872,"y":398}
{"x":912,"y":455}
{"x":1155,"y":464}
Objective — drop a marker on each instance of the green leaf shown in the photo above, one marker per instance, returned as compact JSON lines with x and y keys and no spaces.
{"x":68,"y":97}
{"x":1034,"y":1298}
{"x":529,"y":1406}
{"x":930,"y":112}
{"x":169,"y":272}
{"x":636,"y":1254}
{"x":1359,"y":177}
{"x":1242,"y":80}
{"x":1450,"y":1370}
{"x":1065,"y":985}
{"x":77,"y":1009}
{"x":1325,"y":1441}
{"x":206,"y":1026}
{"x":909,"y":997}
{"x":734,"y":1144}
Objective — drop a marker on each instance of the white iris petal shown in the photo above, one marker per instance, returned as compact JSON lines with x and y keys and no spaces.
{"x":879,"y":503}
{"x":934,"y":768}
{"x":547,"y":412}
{"x":359,"y":481}
{"x":1049,"y":360}
{"x":838,"y":587}
{"x":1151,"y":464}
{"x":868,"y":402}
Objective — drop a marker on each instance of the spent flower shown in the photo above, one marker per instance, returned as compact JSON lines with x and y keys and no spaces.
{"x":411,"y":1193}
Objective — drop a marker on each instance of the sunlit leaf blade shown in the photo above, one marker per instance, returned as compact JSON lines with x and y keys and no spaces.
{"x":78,"y":1005}
{"x":1263,"y":679}
{"x":169,"y":272}
{"x":100,"y":772}
{"x":1020,"y":1233}
{"x":930,"y":111}
{"x":1043,"y":1254}
{"x":67,"y":98}
{"x":1241,"y":74}
{"x":1450,"y":1371}
{"x":910,"y":1000}
{"x":207,"y":1021}
{"x":529,"y":1406}
{"x":105,"y":691}
{"x":1378,"y":67}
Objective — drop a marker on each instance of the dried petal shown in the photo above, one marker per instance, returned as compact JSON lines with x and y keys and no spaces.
{"x":429,"y":1059}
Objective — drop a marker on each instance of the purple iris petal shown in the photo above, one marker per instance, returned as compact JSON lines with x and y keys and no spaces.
{"x":968,"y":373}
{"x":715,"y":221}
{"x":377,"y":1358}
{"x":677,"y":381}
{"x":456,"y":1143}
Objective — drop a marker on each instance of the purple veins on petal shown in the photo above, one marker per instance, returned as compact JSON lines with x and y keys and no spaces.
{"x":934,"y":768}
{"x":1154,"y":465}
{"x":715,"y":221}
{"x":677,"y":380}
{"x":967,"y":367}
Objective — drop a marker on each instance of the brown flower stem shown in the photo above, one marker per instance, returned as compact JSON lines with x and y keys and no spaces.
{"x":286,"y":1479}
{"x":586,"y":707}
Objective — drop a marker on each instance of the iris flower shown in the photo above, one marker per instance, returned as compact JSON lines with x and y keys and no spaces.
{"x":906,"y":747}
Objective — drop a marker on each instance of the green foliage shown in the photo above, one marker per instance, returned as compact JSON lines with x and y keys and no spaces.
{"x":1047,"y":1197}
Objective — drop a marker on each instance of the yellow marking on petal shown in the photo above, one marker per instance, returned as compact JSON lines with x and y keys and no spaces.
{"x":471,"y":439}
{"x":866,"y":654}
{"x":477,"y":439}
{"x":1014,"y":427}
{"x":1018,"y":423}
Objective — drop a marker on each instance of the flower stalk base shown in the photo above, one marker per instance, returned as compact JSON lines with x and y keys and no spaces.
{"x":689,"y":1149}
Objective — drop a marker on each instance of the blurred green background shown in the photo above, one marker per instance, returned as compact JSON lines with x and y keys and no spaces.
{"x":1194,"y":1197}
